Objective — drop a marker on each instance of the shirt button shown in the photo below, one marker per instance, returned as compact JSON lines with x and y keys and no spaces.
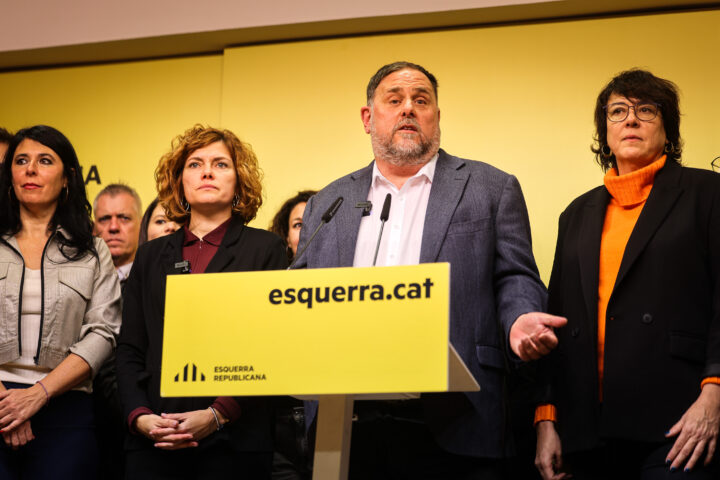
{"x":647,"y":318}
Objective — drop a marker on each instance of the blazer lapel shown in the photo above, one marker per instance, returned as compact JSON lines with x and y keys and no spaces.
{"x":447,"y":188}
{"x":172,"y":252}
{"x":589,"y":249}
{"x":347,"y":220}
{"x":663,"y":196}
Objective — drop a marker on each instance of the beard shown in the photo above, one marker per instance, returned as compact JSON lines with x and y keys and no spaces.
{"x":401,"y":153}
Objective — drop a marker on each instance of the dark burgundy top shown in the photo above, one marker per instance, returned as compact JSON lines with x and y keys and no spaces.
{"x":199,"y":251}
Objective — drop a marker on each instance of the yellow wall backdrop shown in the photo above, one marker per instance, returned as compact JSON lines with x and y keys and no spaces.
{"x":519,"y":97}
{"x":119,"y":117}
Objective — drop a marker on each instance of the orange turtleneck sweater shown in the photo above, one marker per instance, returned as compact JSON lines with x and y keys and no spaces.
{"x":628,"y":193}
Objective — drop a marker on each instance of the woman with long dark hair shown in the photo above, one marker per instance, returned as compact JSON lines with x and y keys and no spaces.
{"x":60,"y":311}
{"x":287,"y":222}
{"x":155,"y":223}
{"x":292,"y":448}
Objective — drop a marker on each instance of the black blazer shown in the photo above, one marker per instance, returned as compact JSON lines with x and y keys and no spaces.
{"x":139,"y":350}
{"x":663,"y":318}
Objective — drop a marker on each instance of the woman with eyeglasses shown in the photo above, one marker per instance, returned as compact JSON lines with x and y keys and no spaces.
{"x":633,"y":389}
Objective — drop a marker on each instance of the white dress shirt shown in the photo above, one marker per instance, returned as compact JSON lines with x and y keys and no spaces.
{"x":123,"y":271}
{"x":402,"y":234}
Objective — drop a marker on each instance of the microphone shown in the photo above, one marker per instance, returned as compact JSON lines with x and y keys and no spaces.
{"x":326,"y":217}
{"x":384,"y":215}
{"x":330,"y":212}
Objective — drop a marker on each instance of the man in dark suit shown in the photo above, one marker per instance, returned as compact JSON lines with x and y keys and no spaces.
{"x":117,"y":210}
{"x":444,"y":209}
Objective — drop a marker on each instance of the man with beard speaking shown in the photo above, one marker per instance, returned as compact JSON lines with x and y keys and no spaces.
{"x":443,"y":209}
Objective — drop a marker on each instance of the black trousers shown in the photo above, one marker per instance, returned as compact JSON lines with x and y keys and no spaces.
{"x":620,"y":460}
{"x":209,"y":460}
{"x":292,"y":458}
{"x":391,"y":441}
{"x":110,"y":425}
{"x":65,"y":446}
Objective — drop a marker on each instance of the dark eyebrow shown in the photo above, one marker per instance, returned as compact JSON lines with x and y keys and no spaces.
{"x":416,"y":89}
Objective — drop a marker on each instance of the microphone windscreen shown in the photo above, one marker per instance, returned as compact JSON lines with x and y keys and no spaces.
{"x":385,"y":214}
{"x":330,"y":212}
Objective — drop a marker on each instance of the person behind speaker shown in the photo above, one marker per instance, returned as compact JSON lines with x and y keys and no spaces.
{"x":292,"y":449}
{"x":117,"y":221}
{"x":154,"y":223}
{"x":287,"y":222}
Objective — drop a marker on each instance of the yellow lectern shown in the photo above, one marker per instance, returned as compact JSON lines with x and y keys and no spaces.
{"x":333,"y":334}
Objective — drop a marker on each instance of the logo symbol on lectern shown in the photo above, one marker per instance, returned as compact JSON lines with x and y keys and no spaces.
{"x":190,"y":373}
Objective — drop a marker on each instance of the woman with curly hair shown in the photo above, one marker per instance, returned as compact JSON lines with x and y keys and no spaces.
{"x":209,"y":183}
{"x":60,"y":311}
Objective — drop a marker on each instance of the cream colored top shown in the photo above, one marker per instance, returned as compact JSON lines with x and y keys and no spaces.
{"x":24,"y":369}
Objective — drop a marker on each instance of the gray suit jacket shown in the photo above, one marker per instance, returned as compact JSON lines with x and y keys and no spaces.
{"x":477,"y":221}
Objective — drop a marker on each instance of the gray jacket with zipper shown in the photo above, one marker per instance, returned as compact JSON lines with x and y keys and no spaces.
{"x":81,"y":305}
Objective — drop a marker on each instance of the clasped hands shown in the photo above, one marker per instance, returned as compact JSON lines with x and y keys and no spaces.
{"x":17,"y":406}
{"x":173,"y":431}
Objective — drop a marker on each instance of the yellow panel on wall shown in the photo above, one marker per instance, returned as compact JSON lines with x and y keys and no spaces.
{"x":520,"y":97}
{"x":120,"y":117}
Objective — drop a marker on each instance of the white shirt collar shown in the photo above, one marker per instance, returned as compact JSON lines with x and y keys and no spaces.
{"x":427,"y":171}
{"x":123,"y":271}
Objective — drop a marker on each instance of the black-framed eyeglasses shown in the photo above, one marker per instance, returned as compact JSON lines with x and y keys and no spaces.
{"x":645,"y":111}
{"x":715,"y":164}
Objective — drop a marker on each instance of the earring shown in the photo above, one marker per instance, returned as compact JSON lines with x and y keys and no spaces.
{"x":236,"y":200}
{"x":185,"y":205}
{"x":605,"y":151}
{"x":67,"y":194}
{"x":669,"y":147}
